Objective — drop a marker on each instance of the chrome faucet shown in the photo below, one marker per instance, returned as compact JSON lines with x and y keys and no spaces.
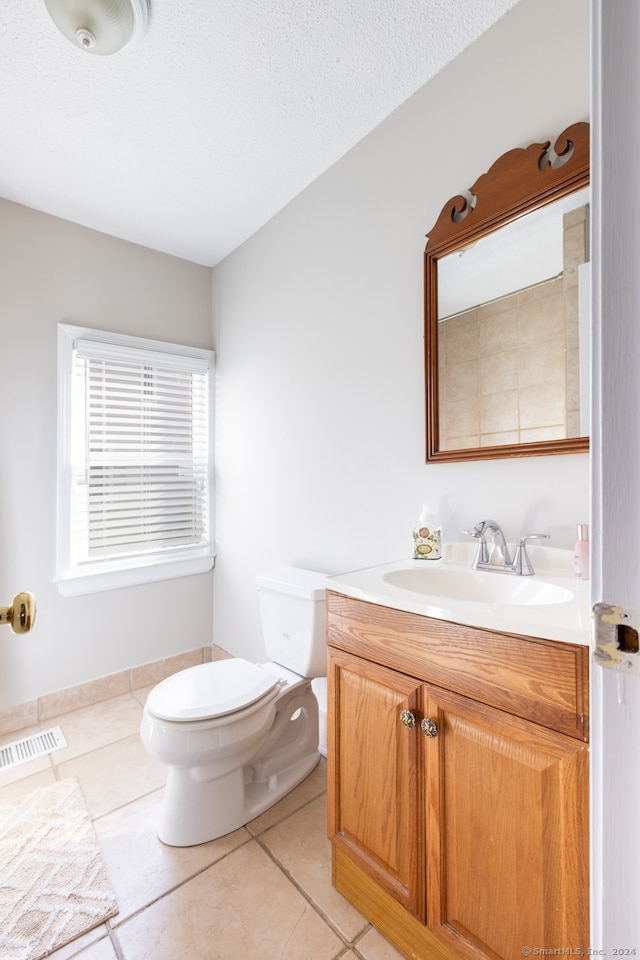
{"x":498,"y":558}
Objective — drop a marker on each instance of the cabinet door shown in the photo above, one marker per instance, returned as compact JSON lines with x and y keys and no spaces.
{"x":507,"y":831}
{"x":375,"y":794}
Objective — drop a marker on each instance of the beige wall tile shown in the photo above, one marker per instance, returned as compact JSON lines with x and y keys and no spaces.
{"x":572,"y":362}
{"x":540,"y":291}
{"x":498,"y":372}
{"x":499,"y":412}
{"x":463,"y":419}
{"x":500,"y":439}
{"x":442,"y":345}
{"x":543,"y":433}
{"x":498,"y":329}
{"x":18,"y":717}
{"x":462,"y":338}
{"x":151,"y":673}
{"x":461,"y":443}
{"x":543,"y":407}
{"x":459,"y":381}
{"x":574,"y":427}
{"x":541,"y":318}
{"x":73,"y":698}
{"x":542,"y":362}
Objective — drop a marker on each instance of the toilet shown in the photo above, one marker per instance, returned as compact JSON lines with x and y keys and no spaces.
{"x":237,"y":736}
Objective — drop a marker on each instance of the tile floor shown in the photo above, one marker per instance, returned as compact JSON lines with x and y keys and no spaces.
{"x":261,"y":893}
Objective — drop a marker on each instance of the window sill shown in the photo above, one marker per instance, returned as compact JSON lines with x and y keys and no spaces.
{"x":99,"y":581}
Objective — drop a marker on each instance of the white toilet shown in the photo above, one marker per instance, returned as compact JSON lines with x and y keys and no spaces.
{"x":238,"y":736}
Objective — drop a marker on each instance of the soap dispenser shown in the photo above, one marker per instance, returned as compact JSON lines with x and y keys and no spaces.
{"x":427,"y":537}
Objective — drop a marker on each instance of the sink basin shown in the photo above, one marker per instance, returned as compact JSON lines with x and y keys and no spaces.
{"x":477,"y":586}
{"x":551,"y":604}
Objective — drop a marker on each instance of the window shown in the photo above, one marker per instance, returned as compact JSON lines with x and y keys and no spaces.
{"x":134,"y":477}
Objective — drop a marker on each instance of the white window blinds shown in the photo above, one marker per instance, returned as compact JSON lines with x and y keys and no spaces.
{"x":138,"y":457}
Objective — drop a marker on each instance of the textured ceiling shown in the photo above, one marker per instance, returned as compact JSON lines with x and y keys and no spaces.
{"x":193,"y":139}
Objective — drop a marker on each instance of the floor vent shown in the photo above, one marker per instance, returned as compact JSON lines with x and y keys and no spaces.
{"x":29,"y":748}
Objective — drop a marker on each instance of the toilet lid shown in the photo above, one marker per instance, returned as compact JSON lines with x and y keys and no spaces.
{"x":210,"y":690}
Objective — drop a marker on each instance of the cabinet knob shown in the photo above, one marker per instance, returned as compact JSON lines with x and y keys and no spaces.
{"x":408,"y":718}
{"x":429,"y":727}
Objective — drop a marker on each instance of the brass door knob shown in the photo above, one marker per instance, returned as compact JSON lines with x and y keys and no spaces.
{"x":21,"y":614}
{"x":408,"y":718}
{"x":429,"y":727}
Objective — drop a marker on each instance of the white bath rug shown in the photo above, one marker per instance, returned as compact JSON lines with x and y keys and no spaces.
{"x":53,"y":883}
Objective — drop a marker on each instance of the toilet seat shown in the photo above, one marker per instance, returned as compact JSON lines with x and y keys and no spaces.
{"x":210,"y":690}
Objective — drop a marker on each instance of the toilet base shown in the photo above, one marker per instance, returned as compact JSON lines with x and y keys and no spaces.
{"x":197,"y":808}
{"x":233,"y":804}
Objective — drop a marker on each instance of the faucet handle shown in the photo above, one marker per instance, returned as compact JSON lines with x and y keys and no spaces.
{"x":482,"y":555}
{"x":476,"y":532}
{"x":521,"y":559}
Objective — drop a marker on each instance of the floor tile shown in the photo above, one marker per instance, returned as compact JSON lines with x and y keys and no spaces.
{"x":300,"y":844}
{"x":241,"y":907}
{"x":115,"y":775}
{"x":20,"y":788}
{"x":373,"y":946}
{"x":102,"y":950}
{"x":263,"y":892}
{"x":142,"y":693}
{"x":81,"y":945}
{"x":140,"y":867}
{"x":98,"y":725}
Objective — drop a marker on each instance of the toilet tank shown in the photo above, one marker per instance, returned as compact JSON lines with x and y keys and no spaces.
{"x":292,"y":608}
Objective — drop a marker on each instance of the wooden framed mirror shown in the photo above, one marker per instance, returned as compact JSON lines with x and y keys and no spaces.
{"x":506,"y":308}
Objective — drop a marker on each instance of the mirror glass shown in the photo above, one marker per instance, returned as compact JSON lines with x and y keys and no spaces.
{"x":507,"y":326}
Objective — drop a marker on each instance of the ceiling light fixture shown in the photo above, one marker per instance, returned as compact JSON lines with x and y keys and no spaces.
{"x":100,"y":26}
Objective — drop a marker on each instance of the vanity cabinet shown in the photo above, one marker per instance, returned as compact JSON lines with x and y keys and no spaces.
{"x":468,"y":838}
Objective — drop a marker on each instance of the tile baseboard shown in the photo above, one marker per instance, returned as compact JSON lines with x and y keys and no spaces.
{"x":54,"y":704}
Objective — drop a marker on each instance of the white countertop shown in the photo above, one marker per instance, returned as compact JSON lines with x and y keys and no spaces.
{"x":568,"y":620}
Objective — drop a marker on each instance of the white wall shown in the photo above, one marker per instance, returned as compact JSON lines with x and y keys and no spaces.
{"x":320,"y":413}
{"x":52,"y":271}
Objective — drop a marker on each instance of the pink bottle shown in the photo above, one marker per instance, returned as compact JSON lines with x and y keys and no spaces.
{"x":581,"y":553}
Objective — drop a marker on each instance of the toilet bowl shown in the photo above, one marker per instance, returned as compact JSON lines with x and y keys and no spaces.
{"x":238,"y":736}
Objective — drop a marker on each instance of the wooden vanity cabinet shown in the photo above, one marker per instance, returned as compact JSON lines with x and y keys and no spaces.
{"x":472,"y":842}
